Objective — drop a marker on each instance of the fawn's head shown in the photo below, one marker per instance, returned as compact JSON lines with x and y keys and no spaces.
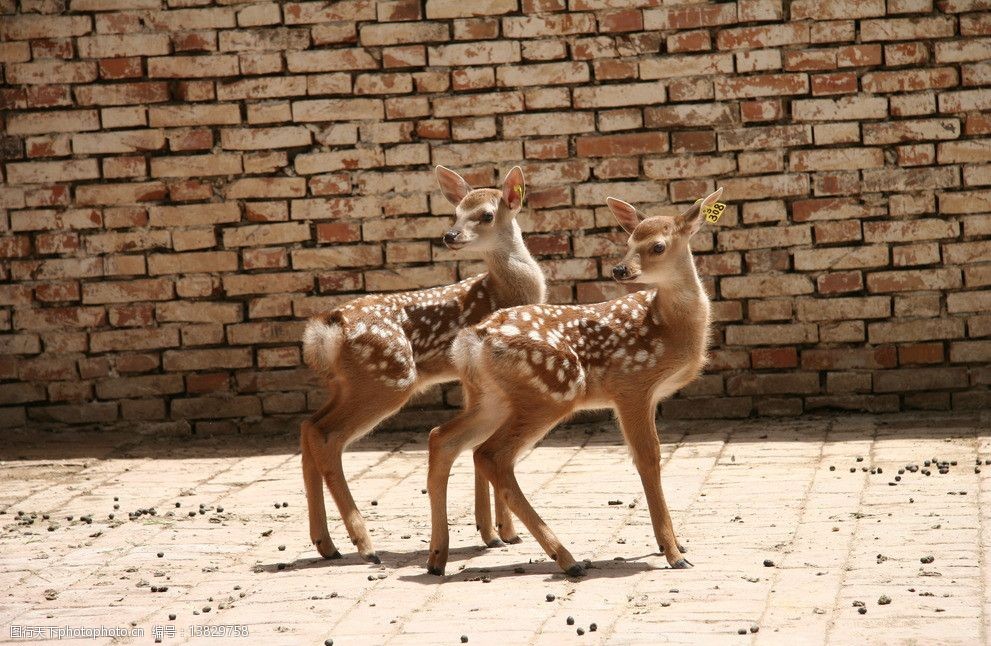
{"x":482,"y":213}
{"x":655,"y":243}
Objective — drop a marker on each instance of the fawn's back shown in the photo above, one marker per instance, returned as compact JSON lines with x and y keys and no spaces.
{"x":403,"y":337}
{"x":587,"y":354}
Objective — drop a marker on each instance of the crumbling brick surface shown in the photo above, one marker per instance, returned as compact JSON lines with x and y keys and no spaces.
{"x":183,"y":183}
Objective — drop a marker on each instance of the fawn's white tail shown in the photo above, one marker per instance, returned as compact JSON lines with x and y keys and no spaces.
{"x":466,"y":352}
{"x":322,"y":341}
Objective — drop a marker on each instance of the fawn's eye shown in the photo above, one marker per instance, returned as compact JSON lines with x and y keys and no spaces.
{"x":659,"y":247}
{"x":487,"y":216}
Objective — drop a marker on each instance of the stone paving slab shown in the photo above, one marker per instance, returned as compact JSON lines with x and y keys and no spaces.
{"x":740,"y":492}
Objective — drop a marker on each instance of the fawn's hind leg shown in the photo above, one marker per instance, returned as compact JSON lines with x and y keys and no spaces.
{"x":502,"y":532}
{"x":497,"y":459}
{"x":346,"y":420}
{"x":447,"y":441}
{"x":313,"y":482}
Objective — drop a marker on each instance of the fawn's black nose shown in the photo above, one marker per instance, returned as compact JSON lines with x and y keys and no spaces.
{"x":450,"y":237}
{"x":619,"y":271}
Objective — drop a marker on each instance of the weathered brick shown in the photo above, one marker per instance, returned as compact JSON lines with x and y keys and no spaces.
{"x":909,"y":80}
{"x":34,"y":123}
{"x":336,"y":109}
{"x":834,"y":309}
{"x":858,"y":107}
{"x":891,"y":179}
{"x":539,"y":124}
{"x":118,"y":141}
{"x":970,"y":352}
{"x":266,"y":234}
{"x":675,"y":66}
{"x":240,"y":284}
{"x":171,"y":116}
{"x":193,"y":214}
{"x":763,"y":36}
{"x":765,"y":137}
{"x":340,"y":256}
{"x":197,"y":165}
{"x":127,"y":291}
{"x":118,"y":45}
{"x":783,"y":334}
{"x":759,"y":285}
{"x":909,"y":230}
{"x":548,"y":25}
{"x":216,"y":407}
{"x":907,"y":28}
{"x":967,"y":252}
{"x":210,"y":66}
{"x":310,"y":163}
{"x":192,"y":262}
{"x":53,"y":171}
{"x":919,"y":379}
{"x":841,"y":258}
{"x":138,"y":339}
{"x":356,"y":58}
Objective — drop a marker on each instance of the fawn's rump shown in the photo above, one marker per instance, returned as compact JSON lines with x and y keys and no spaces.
{"x":374,"y":352}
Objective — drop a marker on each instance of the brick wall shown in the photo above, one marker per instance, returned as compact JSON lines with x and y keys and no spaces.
{"x":185,"y":182}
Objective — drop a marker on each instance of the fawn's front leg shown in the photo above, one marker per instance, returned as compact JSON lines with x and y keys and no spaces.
{"x":640,"y":431}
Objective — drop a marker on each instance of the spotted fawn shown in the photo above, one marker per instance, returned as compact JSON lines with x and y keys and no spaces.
{"x":526,"y":368}
{"x":378,"y":350}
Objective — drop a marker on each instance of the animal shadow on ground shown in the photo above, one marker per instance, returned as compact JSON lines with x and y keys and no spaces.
{"x":613,"y":568}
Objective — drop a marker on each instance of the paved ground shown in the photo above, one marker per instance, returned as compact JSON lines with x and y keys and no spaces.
{"x":741,"y":492}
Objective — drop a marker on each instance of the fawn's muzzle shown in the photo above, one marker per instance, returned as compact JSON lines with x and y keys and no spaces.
{"x":619,"y":272}
{"x":450,"y":238}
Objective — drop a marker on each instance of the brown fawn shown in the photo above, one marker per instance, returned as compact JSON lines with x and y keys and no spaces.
{"x":526,"y":368}
{"x":378,"y":350}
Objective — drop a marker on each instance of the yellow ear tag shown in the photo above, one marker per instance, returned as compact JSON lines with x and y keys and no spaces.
{"x":521,"y":192}
{"x":713,"y":211}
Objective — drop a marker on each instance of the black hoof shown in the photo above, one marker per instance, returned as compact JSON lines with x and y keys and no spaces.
{"x":437,"y":571}
{"x":495,"y":542}
{"x":681,"y":564}
{"x":513,"y":540}
{"x":333,"y":557}
{"x":372,"y":558}
{"x":575,"y":570}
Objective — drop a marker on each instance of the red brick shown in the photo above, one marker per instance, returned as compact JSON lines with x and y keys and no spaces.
{"x":840,"y":282}
{"x":622,"y":145}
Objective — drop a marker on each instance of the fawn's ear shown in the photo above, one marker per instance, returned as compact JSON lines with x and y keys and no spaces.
{"x":691,"y":220}
{"x":625,"y":212}
{"x":453,"y":185}
{"x":513,"y":188}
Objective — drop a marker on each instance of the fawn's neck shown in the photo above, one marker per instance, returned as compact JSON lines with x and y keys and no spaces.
{"x":514,"y":276}
{"x":681,"y":302}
